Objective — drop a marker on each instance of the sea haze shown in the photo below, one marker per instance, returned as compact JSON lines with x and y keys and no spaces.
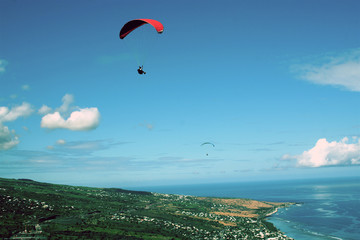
{"x":325,"y":209}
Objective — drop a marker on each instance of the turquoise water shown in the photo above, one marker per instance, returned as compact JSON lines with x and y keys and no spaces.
{"x":325,"y":209}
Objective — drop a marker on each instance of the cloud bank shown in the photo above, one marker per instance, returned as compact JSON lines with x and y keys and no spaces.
{"x":82,"y":148}
{"x":343,"y":71}
{"x":324,"y":153}
{"x":78,"y":119}
{"x":83,"y":119}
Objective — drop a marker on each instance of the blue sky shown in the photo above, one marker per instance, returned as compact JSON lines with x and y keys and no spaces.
{"x":275,"y":85}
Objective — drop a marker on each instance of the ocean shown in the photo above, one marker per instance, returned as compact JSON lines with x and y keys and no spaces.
{"x":325,"y":209}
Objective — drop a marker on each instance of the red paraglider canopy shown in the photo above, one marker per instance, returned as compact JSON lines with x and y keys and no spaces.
{"x":133,"y":24}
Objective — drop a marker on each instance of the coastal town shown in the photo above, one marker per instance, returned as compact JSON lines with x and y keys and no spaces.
{"x":33,"y":210}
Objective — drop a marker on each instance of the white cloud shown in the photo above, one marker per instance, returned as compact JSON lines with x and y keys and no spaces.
{"x":8,"y":139}
{"x":44,"y":110}
{"x":24,"y":110}
{"x":61,"y":142}
{"x":343,"y":71}
{"x":326,"y":153}
{"x":3,"y":112}
{"x":67,"y":100}
{"x":82,"y":120}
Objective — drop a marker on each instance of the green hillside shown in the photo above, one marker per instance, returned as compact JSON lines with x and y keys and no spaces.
{"x":49,"y":211}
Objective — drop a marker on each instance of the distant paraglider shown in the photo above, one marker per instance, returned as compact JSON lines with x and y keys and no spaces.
{"x":136,"y":23}
{"x":207,"y":143}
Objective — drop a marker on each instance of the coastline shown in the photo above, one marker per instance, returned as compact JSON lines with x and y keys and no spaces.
{"x":271,"y":213}
{"x":260,"y":219}
{"x":256,"y":214}
{"x":306,"y":219}
{"x":130,"y":214}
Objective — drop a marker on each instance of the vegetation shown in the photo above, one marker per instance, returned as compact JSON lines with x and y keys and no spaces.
{"x":50,"y":211}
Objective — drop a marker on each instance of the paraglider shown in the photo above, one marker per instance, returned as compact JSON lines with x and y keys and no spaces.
{"x":140,"y":70}
{"x":207,"y":143}
{"x":133,"y":24}
{"x":136,"y":23}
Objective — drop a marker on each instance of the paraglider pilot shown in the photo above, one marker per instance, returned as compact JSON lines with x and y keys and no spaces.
{"x":140,"y":70}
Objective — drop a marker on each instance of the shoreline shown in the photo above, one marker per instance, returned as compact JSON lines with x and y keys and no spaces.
{"x":273,"y":212}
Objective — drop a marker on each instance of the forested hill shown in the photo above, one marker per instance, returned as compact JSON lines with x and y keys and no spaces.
{"x":42,"y":211}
